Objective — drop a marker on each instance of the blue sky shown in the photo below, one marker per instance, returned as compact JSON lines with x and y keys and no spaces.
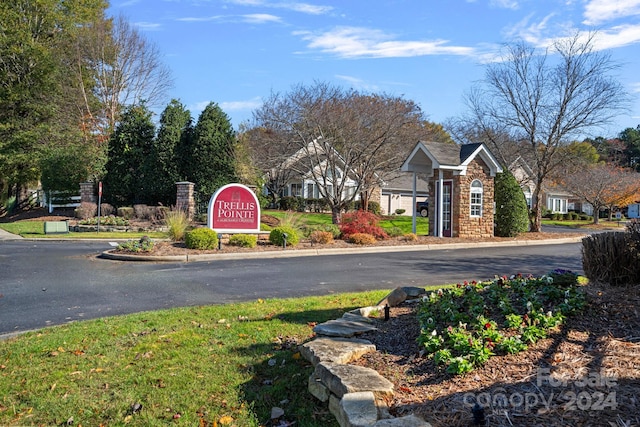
{"x":236,"y":52}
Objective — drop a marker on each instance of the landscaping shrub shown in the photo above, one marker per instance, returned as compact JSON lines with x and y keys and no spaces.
{"x":105,"y":220}
{"x":331,"y":228}
{"x":276,"y":236}
{"x":361,"y":222}
{"x":143,"y":211}
{"x":145,"y":244}
{"x":374,"y":207}
{"x":512,"y":213}
{"x":86,"y":210}
{"x":177,"y":223}
{"x":244,"y":240}
{"x":125,"y":212}
{"x":321,"y":237}
{"x":201,"y":238}
{"x":400,"y":211}
{"x":362,"y":239}
{"x":612,"y":257}
{"x":290,"y":203}
{"x":410,"y":237}
{"x":106,"y":209}
{"x":395,"y":232}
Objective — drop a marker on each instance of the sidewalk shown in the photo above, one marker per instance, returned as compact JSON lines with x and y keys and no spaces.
{"x":5,"y":235}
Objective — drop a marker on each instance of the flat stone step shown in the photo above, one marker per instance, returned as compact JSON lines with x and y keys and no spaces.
{"x":343,"y":379}
{"x":354,"y":409}
{"x":335,"y":350}
{"x":343,"y":328}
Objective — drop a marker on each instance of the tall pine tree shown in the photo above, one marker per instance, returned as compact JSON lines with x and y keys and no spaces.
{"x":128,"y":178}
{"x":166,"y":153}
{"x":211,"y":159}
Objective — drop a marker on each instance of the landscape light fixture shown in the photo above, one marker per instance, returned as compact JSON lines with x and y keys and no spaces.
{"x":219,"y":241}
{"x":284,"y":240}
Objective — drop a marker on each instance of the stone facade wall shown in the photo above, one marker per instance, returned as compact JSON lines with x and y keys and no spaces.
{"x":185,"y":198}
{"x":463,"y":224}
{"x":87,"y":193}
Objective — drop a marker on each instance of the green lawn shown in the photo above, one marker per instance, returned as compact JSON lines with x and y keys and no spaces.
{"x":225,"y":364}
{"x":35,"y":229}
{"x":388,"y":222}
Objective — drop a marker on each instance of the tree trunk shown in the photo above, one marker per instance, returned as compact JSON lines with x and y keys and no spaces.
{"x":596,"y":216}
{"x":336,"y":215}
{"x":364,"y":201}
{"x":536,"y":217}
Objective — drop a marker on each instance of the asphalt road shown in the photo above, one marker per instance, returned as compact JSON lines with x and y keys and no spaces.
{"x":45,"y":283}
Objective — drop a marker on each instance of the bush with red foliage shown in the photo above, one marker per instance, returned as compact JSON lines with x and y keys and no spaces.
{"x":361,"y":222}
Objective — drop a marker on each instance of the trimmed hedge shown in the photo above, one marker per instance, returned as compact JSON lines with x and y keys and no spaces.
{"x":276,"y":236}
{"x":243,"y":240}
{"x":201,"y":238}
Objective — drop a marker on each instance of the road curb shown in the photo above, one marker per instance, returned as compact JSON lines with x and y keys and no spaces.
{"x":329,"y":251}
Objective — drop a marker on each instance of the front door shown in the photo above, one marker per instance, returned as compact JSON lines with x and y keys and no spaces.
{"x":447,"y":208}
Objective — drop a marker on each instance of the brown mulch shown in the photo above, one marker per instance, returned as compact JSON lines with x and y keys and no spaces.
{"x":601,"y":345}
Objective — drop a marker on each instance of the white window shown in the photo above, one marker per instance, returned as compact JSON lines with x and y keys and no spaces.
{"x":476,"y":198}
{"x":557,"y":205}
{"x":296,"y":190}
{"x":528,"y":196}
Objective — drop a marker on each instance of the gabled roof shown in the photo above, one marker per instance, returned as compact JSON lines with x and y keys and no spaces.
{"x":428,"y":156}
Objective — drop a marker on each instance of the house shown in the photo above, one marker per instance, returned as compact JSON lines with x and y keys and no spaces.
{"x":397,"y":193}
{"x":303,"y":178}
{"x":461,"y":186}
{"x":554,"y":197}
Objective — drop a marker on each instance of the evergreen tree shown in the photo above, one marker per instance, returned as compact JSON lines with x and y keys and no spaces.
{"x":211,"y":157}
{"x":128,"y":176}
{"x":165,"y":159}
{"x":512,"y":214}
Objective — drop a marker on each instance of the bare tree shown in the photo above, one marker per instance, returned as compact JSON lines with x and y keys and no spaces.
{"x":343,"y":140}
{"x":544,"y":101}
{"x":603,"y":185}
{"x":126,"y":68}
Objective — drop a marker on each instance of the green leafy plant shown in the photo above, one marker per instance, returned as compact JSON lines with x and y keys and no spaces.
{"x":243,"y":240}
{"x":145,"y":244}
{"x":201,"y":238}
{"x":277,"y":236}
{"x":501,"y":316}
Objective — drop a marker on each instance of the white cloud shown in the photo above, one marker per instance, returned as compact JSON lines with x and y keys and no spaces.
{"x":255,"y":18}
{"x":295,"y":6}
{"x":355,"y":42}
{"x":505,"y":4}
{"x":599,"y":11}
{"x":260,"y":18}
{"x":149,"y":26}
{"x":250,"y":104}
{"x":635,"y":87}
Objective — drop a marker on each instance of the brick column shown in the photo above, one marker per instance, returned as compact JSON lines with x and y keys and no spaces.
{"x":185,"y":199}
{"x":87,"y":193}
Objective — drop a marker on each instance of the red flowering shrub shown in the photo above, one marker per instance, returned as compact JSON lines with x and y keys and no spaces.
{"x":361,"y":222}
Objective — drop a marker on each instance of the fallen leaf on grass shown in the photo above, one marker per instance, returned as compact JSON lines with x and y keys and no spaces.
{"x":226,"y":420}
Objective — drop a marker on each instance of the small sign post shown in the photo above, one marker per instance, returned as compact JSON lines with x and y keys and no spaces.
{"x":99,"y":202}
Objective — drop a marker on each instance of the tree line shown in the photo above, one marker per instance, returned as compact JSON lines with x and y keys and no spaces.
{"x":67,"y":71}
{"x":76,"y":88}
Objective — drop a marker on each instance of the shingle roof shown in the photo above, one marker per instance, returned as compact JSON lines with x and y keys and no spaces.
{"x":444,"y":153}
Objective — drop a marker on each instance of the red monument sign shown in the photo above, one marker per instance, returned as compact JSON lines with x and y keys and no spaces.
{"x":234,"y":208}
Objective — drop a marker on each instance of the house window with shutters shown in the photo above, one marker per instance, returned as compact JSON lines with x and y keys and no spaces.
{"x":476,"y":198}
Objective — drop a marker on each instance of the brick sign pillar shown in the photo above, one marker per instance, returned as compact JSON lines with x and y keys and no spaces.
{"x":87,"y":193}
{"x":185,"y":198}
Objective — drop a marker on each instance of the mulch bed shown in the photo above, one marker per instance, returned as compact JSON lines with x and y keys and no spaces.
{"x":598,"y":347}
